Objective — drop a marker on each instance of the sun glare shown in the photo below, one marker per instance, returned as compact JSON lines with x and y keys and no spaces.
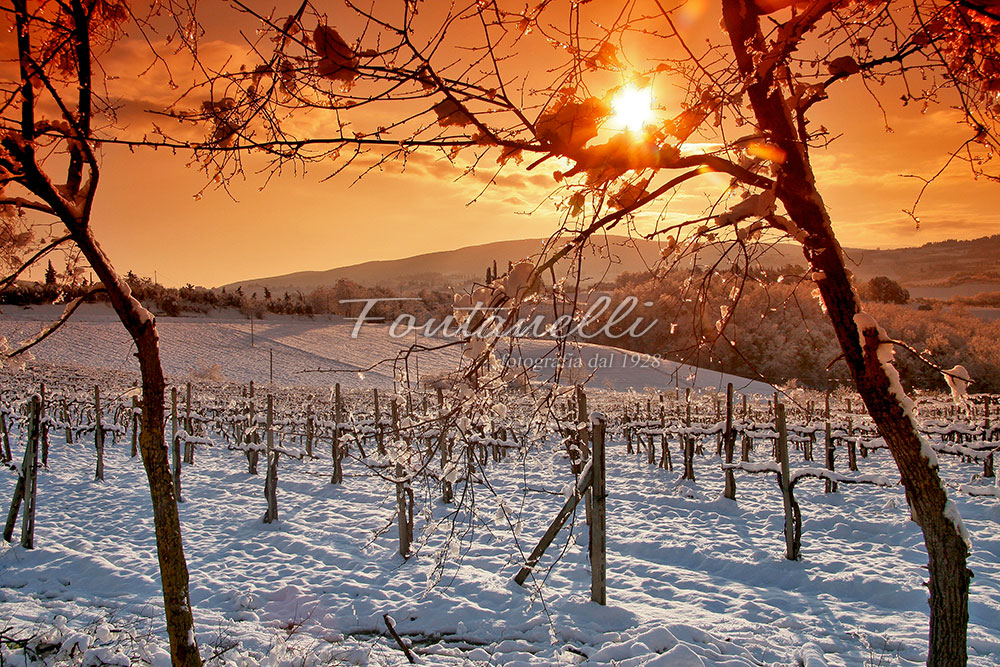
{"x":633,"y":109}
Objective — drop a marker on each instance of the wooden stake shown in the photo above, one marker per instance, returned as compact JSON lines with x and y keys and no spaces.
{"x":177,"y":444}
{"x":309,"y":430}
{"x":271,"y":476}
{"x":404,"y":511}
{"x":791,"y":545}
{"x":379,"y":435}
{"x":27,"y":482}
{"x":831,"y":486}
{"x":188,"y":427}
{"x":730,"y":442}
{"x":688,"y":448}
{"x":44,"y":427}
{"x":65,"y":414}
{"x":31,"y":474}
{"x":7,"y":454}
{"x":98,"y":436}
{"x":598,"y":518}
{"x":252,"y":454}
{"x":337,"y":477}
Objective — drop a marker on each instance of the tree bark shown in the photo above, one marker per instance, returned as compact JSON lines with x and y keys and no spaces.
{"x":155,"y":456}
{"x":795,"y":188}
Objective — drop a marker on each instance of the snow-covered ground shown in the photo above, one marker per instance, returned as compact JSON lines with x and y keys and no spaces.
{"x":191,"y":346}
{"x":692,"y":579}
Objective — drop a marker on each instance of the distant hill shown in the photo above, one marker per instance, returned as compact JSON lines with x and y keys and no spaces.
{"x":935,"y":268}
{"x":604,"y":260}
{"x":941,"y":264}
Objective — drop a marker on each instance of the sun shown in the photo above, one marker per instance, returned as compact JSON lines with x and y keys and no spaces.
{"x":632,"y":109}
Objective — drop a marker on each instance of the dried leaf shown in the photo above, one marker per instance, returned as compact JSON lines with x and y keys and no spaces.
{"x":629,"y":194}
{"x":843,"y":65}
{"x":570,"y":124}
{"x":337,"y":61}
{"x":449,"y":113}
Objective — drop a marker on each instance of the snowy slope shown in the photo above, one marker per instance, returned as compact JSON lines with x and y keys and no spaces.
{"x":692,"y":579}
{"x":94,"y":339}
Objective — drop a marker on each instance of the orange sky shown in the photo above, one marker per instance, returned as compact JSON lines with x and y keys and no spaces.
{"x":149,"y":221}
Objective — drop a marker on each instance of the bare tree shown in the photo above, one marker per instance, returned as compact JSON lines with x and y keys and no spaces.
{"x":52,"y":112}
{"x":454,"y":79}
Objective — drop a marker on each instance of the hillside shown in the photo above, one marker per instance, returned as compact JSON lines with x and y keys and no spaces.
{"x":946,"y":263}
{"x":940,"y":269}
{"x":292,"y":349}
{"x":604,"y":260}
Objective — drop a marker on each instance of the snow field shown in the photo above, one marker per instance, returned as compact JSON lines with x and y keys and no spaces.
{"x":219,"y":348}
{"x":692,"y":579}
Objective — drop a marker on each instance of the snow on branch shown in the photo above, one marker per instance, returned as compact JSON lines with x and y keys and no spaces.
{"x":802,"y":473}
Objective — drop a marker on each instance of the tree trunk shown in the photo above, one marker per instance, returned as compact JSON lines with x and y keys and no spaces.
{"x":152,"y":446}
{"x":170,"y":550}
{"x":877,"y":383}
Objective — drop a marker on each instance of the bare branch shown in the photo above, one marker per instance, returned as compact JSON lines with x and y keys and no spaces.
{"x":52,"y":328}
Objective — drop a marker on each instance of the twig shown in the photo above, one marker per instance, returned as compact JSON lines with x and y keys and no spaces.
{"x":927,"y":361}
{"x":399,"y":640}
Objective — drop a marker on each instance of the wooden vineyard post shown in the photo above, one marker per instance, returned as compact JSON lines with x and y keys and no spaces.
{"x":447,"y":490}
{"x":688,"y":447}
{"x":831,"y":486}
{"x":252,"y":453}
{"x":379,"y":436}
{"x":791,"y":541}
{"x":44,"y":427}
{"x":188,"y":427}
{"x":598,"y":516}
{"x":175,"y":439}
{"x":729,"y":439}
{"x":583,"y":417}
{"x":988,"y":467}
{"x":666,"y":460}
{"x":27,"y":482}
{"x":271,"y":475}
{"x":7,"y":454}
{"x":719,"y":439}
{"x":404,"y":511}
{"x":309,"y":430}
{"x":65,"y":415}
{"x":31,"y":476}
{"x":627,"y":431}
{"x":852,"y":455}
{"x":98,"y":435}
{"x":337,"y":477}
{"x":135,"y":426}
{"x":651,"y":452}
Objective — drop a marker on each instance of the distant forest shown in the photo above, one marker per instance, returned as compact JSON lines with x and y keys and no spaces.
{"x":776,"y":330}
{"x":193,"y":300}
